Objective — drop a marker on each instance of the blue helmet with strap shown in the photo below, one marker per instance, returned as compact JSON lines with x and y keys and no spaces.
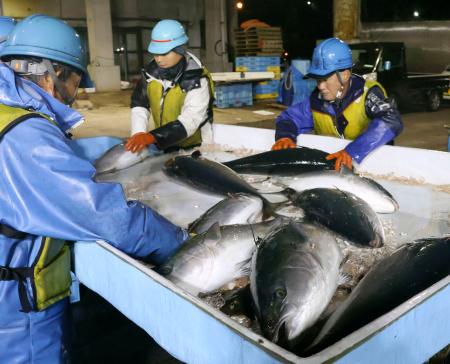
{"x":49,"y":38}
{"x":330,"y":56}
{"x":167,"y":35}
{"x":6,"y":25}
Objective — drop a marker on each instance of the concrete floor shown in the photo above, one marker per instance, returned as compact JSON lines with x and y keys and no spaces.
{"x":110,"y":115}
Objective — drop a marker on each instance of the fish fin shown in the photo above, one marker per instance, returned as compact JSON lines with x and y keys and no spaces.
{"x":213,"y":234}
{"x":290,"y":193}
{"x":245,"y":267}
{"x":196,"y":154}
{"x":256,"y":239}
{"x":344,"y":278}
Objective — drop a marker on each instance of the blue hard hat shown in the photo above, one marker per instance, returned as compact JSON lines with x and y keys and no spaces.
{"x":330,"y":56}
{"x":166,"y":35}
{"x":6,"y":25}
{"x":51,"y":38}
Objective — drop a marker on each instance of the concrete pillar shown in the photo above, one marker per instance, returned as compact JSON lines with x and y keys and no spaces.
{"x":346,"y":19}
{"x":216,"y":36}
{"x":101,"y":68}
{"x":233,"y":23}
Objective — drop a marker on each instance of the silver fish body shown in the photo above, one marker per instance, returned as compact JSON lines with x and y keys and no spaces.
{"x":117,"y":158}
{"x":235,"y":209}
{"x":209,"y":260}
{"x":376,"y":196}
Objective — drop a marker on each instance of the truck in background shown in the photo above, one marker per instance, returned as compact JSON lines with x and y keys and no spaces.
{"x":427,"y":42}
{"x":387,"y":63}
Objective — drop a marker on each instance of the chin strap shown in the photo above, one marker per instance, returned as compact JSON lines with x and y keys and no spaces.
{"x":339,"y":94}
{"x":68,"y":100}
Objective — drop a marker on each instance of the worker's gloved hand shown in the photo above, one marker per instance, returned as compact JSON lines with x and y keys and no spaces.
{"x":139,"y":141}
{"x":284,"y":143}
{"x":342,"y":158}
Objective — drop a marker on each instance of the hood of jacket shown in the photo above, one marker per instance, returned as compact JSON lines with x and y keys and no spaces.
{"x":20,"y":92}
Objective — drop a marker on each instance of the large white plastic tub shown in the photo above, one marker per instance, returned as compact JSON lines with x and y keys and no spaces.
{"x":194,"y":332}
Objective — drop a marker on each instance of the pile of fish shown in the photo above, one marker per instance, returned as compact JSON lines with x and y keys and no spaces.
{"x":294,"y":264}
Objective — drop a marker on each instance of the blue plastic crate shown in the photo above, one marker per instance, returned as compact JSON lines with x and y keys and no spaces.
{"x":253,"y":62}
{"x":267,"y":87}
{"x":233,"y":95}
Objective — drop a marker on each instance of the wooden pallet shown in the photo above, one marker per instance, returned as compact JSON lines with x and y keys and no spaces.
{"x":266,"y":31}
{"x":259,"y":43}
{"x":256,"y":53}
{"x":258,"y":34}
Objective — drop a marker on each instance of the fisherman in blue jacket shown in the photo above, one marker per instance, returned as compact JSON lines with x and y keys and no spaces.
{"x":47,"y":193}
{"x":343,"y":105}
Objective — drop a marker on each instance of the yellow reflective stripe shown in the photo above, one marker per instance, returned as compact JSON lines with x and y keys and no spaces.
{"x":172,"y":105}
{"x":52,"y":274}
{"x":355,"y":114}
{"x":51,"y":268}
{"x":323,"y":124}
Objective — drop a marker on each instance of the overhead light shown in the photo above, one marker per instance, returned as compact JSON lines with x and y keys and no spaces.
{"x":308,"y":2}
{"x":239,"y":5}
{"x":416,"y":14}
{"x":285,"y":54}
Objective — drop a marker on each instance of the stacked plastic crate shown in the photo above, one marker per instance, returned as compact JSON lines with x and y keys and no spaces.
{"x":233,"y":95}
{"x":265,"y":89}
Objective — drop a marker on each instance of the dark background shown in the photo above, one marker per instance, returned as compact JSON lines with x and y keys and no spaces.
{"x":304,"y":24}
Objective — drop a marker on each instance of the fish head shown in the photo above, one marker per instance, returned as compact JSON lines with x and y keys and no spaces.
{"x":191,"y":262}
{"x":272,"y":311}
{"x":238,"y":302}
{"x":165,"y":269}
{"x":173,"y":168}
{"x":378,"y":240}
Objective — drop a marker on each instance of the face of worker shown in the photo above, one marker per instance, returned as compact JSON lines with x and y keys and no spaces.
{"x":70,"y":81}
{"x":330,"y":88}
{"x":167,"y":60}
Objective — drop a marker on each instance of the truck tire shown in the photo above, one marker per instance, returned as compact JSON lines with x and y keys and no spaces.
{"x":433,"y":100}
{"x":393,"y":100}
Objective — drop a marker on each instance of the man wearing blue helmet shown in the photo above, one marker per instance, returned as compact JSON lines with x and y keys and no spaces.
{"x":176,"y":89}
{"x":343,"y":105}
{"x":47,"y":192}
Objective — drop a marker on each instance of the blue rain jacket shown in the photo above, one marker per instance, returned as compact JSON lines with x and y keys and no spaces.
{"x":47,"y":190}
{"x":385,"y":122}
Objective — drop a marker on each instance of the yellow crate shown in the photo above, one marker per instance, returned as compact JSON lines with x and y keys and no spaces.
{"x":265,"y":96}
{"x":241,"y":69}
{"x":274,"y":69}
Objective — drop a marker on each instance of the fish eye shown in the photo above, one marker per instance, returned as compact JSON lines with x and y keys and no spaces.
{"x":165,"y":270}
{"x":232,"y":306}
{"x":280,"y":293}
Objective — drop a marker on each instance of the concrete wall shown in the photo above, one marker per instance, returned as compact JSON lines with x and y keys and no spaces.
{"x":72,"y":9}
{"x":140,"y":14}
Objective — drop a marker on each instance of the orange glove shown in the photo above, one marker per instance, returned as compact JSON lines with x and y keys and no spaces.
{"x":284,"y":143}
{"x":139,"y":141}
{"x":342,"y":158}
